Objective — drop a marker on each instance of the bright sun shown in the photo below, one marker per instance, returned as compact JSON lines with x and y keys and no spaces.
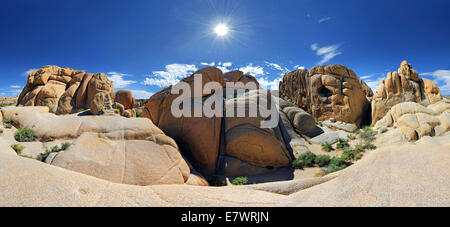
{"x":221,"y":30}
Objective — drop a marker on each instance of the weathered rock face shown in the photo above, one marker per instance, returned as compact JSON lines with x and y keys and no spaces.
{"x":66,"y":90}
{"x":100,"y":103}
{"x":326,"y":92}
{"x":240,"y":79}
{"x":200,"y":138}
{"x":127,"y":151}
{"x":403,"y":86}
{"x":416,"y":121}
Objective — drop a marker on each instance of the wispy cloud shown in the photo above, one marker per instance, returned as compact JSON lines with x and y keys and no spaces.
{"x":327,"y":52}
{"x":225,"y":66}
{"x":324,"y":19}
{"x":442,"y":76}
{"x":28,"y":72}
{"x":373,"y":80}
{"x":15,"y":86}
{"x":283,"y":70}
{"x":299,"y":67}
{"x":253,"y":70}
{"x":171,"y":76}
{"x":141,"y":94}
{"x":208,"y":64}
{"x":268,"y":84}
{"x":118,"y":81}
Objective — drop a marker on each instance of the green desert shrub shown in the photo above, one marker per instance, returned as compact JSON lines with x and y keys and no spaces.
{"x":322,"y":160}
{"x":1,"y":131}
{"x":17,"y":148}
{"x":216,"y":182}
{"x":55,"y":149}
{"x":319,"y":123}
{"x":369,"y":146}
{"x":298,"y":164}
{"x":65,"y":146}
{"x":342,"y":143}
{"x":337,"y":164}
{"x":367,"y":134}
{"x":384,"y":130}
{"x":351,"y":137}
{"x":52,"y":110}
{"x":327,"y":147}
{"x":240,"y":181}
{"x":308,"y":159}
{"x":138,"y":113}
{"x":24,"y":135}
{"x":7,"y":121}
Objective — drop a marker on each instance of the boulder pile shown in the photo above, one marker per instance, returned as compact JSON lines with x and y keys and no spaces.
{"x":233,"y":146}
{"x":327,"y":92}
{"x":67,"y":91}
{"x":403,"y":86}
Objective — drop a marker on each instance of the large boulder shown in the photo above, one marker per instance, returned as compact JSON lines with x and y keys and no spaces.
{"x":403,"y":86}
{"x":416,"y":121}
{"x":327,"y":92}
{"x":127,"y":151}
{"x":135,"y":162}
{"x":209,"y":141}
{"x":246,"y":141}
{"x":66,"y":91}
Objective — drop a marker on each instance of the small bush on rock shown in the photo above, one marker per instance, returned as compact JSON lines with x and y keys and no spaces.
{"x":240,"y":181}
{"x":384,"y":130}
{"x":1,"y":131}
{"x":369,"y":146}
{"x":216,"y":182}
{"x":327,"y":147}
{"x":138,"y":113}
{"x":308,"y":159}
{"x":351,"y":137}
{"x":367,"y":134}
{"x":65,"y":146}
{"x":298,"y":164}
{"x":17,"y":148}
{"x":7,"y":121}
{"x":24,"y":135}
{"x":337,"y":164}
{"x":322,"y":160}
{"x":342,"y":143}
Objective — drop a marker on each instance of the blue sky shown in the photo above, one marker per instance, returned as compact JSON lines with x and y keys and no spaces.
{"x":147,"y":45}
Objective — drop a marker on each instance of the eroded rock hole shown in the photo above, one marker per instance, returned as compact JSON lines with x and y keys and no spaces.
{"x":325,"y":92}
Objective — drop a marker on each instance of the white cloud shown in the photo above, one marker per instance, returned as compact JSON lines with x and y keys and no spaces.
{"x":373,"y":80}
{"x":208,"y":64}
{"x":225,"y":67}
{"x":15,"y":92}
{"x":265,"y":83}
{"x":324,"y":19}
{"x":173,"y":74}
{"x":141,"y":94}
{"x":442,"y":76}
{"x":299,"y":67}
{"x":118,"y":81}
{"x":327,"y":52}
{"x":15,"y":86}
{"x":28,"y":72}
{"x":252,"y":70}
{"x":283,"y":70}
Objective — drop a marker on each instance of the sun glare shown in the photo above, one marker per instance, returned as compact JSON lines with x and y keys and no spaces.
{"x":221,"y":30}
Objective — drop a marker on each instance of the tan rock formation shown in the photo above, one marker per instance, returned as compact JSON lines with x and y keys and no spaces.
{"x":403,"y":86}
{"x":127,"y":151}
{"x":66,"y":91}
{"x":327,"y":92}
{"x":416,"y":121}
{"x":199,"y":138}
